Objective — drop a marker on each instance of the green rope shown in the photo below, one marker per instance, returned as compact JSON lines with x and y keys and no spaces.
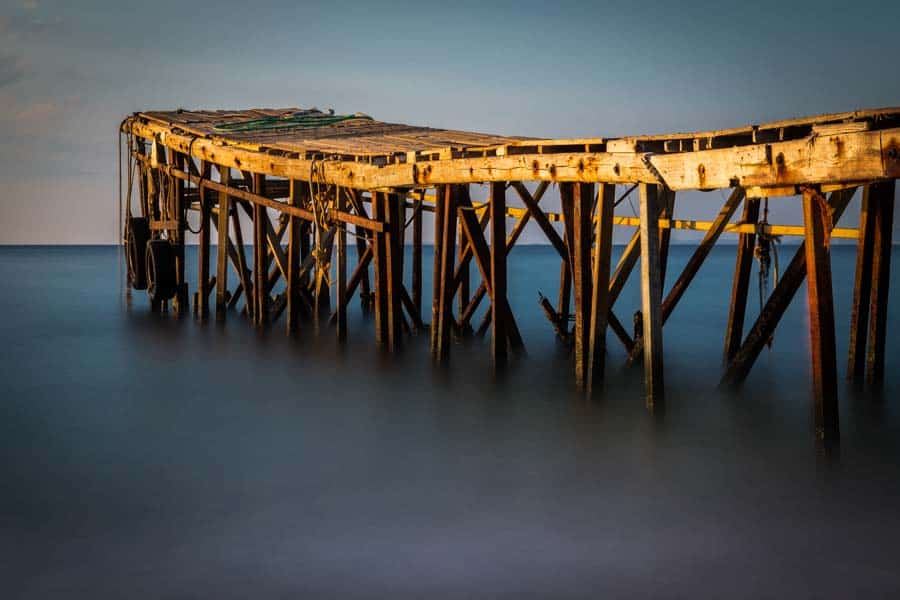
{"x":297,"y":120}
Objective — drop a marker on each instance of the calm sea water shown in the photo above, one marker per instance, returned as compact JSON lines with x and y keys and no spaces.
{"x":148,"y":457}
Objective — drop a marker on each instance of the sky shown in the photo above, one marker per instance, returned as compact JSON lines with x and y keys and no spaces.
{"x":71,"y":71}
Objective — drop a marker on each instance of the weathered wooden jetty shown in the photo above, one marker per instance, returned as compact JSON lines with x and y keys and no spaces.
{"x":310,"y":181}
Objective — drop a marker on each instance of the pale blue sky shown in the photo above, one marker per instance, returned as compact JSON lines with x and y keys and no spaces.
{"x":69,"y":71}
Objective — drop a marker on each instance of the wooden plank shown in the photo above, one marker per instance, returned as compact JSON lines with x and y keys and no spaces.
{"x":243,"y":271}
{"x":224,"y":208}
{"x":651,"y":298}
{"x":737,"y":307}
{"x":821,"y":315}
{"x":499,"y":337}
{"x":600,"y":307}
{"x":780,"y":298}
{"x":862,"y":289}
{"x":883,"y":196}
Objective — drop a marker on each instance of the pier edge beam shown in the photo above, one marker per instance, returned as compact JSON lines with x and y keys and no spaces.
{"x":651,"y":298}
{"x":821,"y":316}
{"x":881,"y":274}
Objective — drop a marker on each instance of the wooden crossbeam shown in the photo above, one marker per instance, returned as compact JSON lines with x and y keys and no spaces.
{"x":739,"y":366}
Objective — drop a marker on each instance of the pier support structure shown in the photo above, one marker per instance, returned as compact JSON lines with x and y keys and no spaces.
{"x":299,"y":261}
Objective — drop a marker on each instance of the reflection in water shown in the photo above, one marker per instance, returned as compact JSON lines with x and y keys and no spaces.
{"x":144,"y":456}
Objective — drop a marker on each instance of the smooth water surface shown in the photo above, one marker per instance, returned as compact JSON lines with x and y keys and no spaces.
{"x":146,"y":457}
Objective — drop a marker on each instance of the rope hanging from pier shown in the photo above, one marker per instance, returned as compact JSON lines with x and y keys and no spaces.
{"x":766,"y":253}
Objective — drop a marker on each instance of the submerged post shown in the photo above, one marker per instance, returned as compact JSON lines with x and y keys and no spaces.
{"x":600,"y":305}
{"x":821,"y":315}
{"x":883,"y":196}
{"x":222,"y":246}
{"x":651,"y":297}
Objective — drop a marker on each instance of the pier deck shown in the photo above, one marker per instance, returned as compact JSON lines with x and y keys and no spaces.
{"x":309,"y":180}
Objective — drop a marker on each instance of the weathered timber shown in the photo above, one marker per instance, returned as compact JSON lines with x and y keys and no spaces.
{"x":203,"y":281}
{"x":499,"y":338}
{"x":882,"y":194}
{"x":651,"y":298}
{"x":739,"y":366}
{"x":579,"y":198}
{"x":341,"y":267}
{"x":224,"y":207}
{"x":600,"y":307}
{"x":823,"y":354}
{"x":737,"y":307}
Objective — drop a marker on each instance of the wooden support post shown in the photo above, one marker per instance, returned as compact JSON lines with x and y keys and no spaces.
{"x":379,"y":213}
{"x":417,"y":259}
{"x":602,"y":259}
{"x":499,"y":338}
{"x":341,"y":290}
{"x":464,"y":278}
{"x":651,"y":297}
{"x":780,"y":298}
{"x":440,"y":196}
{"x":666,"y":211}
{"x":740,"y":286}
{"x":862,"y":288}
{"x":579,"y":199}
{"x":203,"y":250}
{"x":451,"y":198}
{"x":363,"y":248}
{"x":260,"y":252}
{"x":177,"y":213}
{"x":394,"y":255}
{"x":821,"y":315}
{"x":222,"y":247}
{"x":882,"y":194}
{"x":565,"y":270}
{"x":298,"y":231}
{"x":243,"y":271}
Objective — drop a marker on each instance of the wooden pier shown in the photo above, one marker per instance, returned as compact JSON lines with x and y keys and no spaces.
{"x":315,"y":185}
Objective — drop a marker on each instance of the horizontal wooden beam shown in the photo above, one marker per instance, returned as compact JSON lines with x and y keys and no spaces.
{"x":817,"y":159}
{"x":258,"y":199}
